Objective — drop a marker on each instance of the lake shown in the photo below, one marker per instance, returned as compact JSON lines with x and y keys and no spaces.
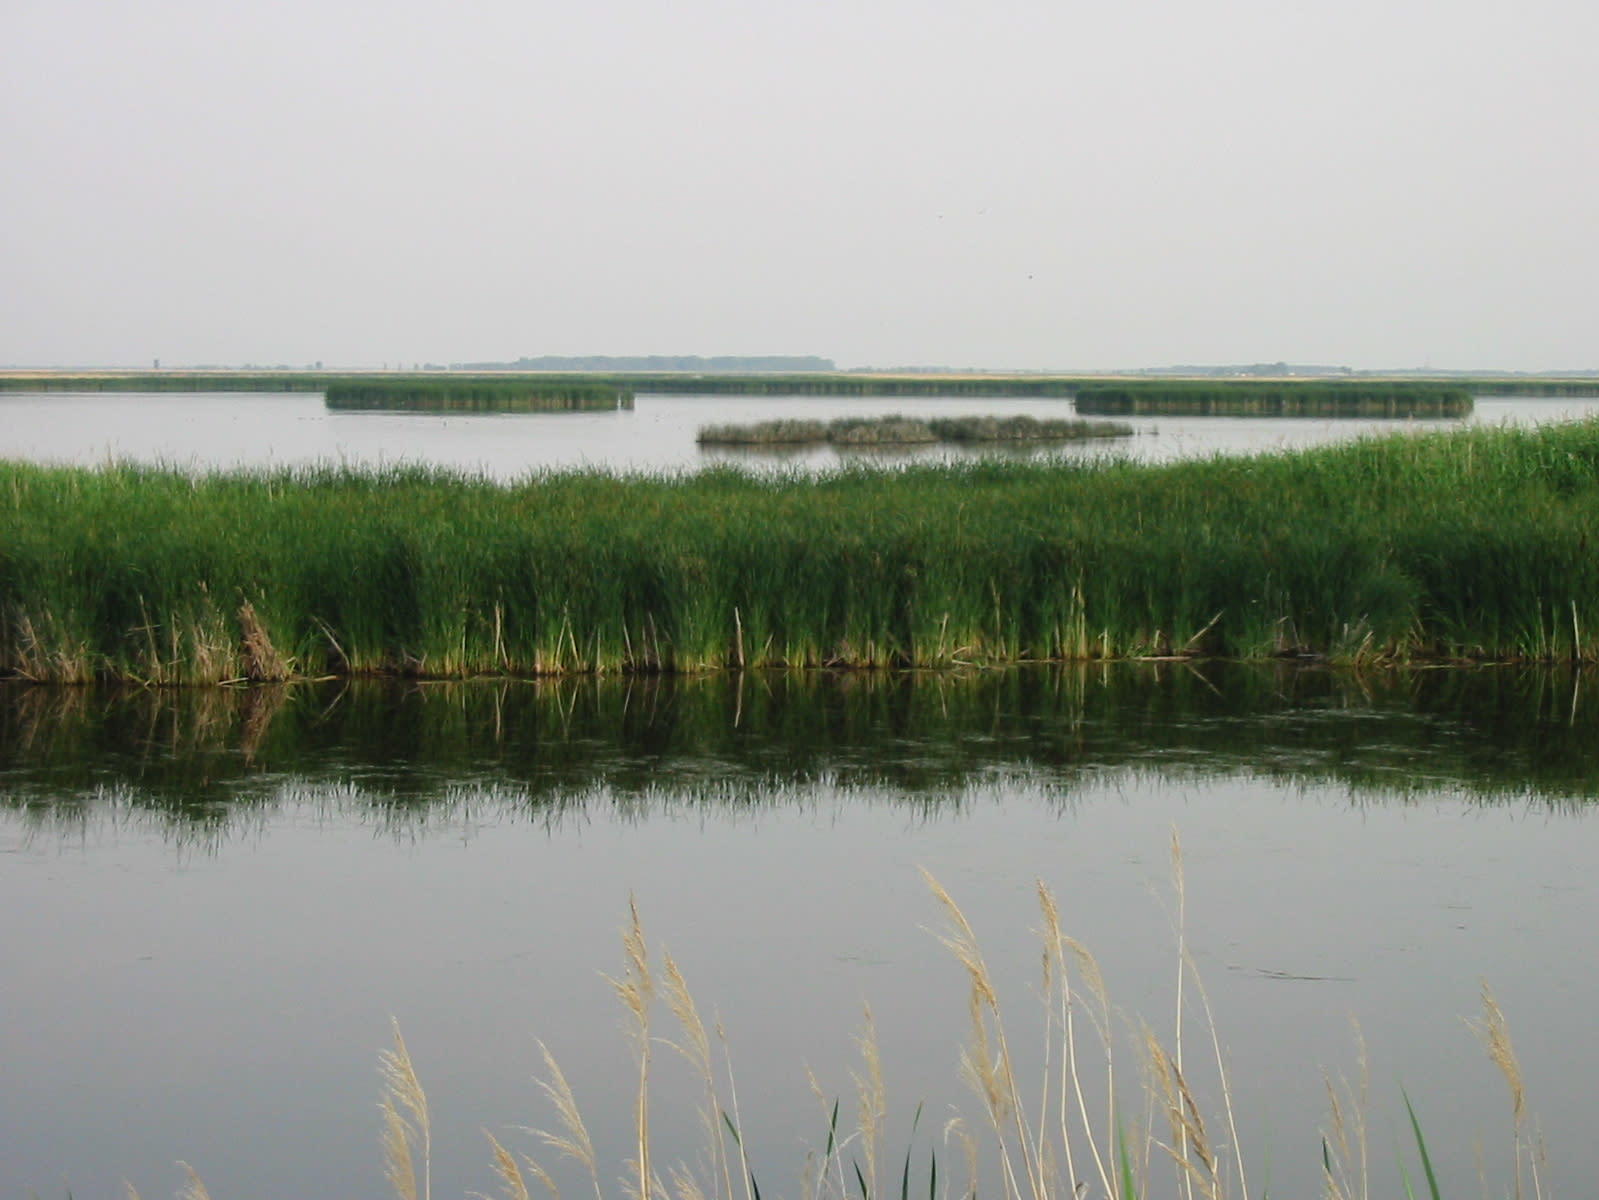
{"x":220,"y":897}
{"x":226,"y":429}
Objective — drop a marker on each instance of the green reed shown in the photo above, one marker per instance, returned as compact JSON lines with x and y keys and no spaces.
{"x":446,"y":395}
{"x":1293,"y":399}
{"x":1474,"y":544}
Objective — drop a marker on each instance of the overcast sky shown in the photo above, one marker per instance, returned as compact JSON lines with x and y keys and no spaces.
{"x":1375,"y":183}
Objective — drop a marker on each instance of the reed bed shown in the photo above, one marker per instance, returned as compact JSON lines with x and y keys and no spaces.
{"x":445,"y":395}
{"x":896,"y":430}
{"x":1470,"y":545}
{"x":1241,"y":398}
{"x":1096,"y":1103}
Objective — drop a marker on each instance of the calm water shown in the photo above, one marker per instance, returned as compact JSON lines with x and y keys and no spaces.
{"x":230,"y":429}
{"x":218,"y":899}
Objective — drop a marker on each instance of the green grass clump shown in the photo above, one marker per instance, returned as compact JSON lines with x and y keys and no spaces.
{"x":1237,"y":399}
{"x":446,"y":395}
{"x":1024,"y":429}
{"x":1475,"y":544}
{"x":765,"y":433}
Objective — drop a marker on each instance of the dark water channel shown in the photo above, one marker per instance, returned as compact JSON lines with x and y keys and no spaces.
{"x":217,"y":899}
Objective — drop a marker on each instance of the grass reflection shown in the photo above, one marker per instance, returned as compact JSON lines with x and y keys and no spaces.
{"x":407,"y":755}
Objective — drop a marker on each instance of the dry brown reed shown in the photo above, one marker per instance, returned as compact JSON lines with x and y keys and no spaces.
{"x":1063,"y":1147}
{"x":407,"y":1127}
{"x":1494,"y":1031}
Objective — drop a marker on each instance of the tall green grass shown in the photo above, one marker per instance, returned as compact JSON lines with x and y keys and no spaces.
{"x":1469,"y":545}
{"x":1297,"y":399}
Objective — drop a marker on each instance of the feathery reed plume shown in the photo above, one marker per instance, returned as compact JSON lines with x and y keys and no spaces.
{"x":1494,"y":1031}
{"x":636,"y":990}
{"x":956,"y":1128}
{"x":1182,"y":971}
{"x":990,"y":1066}
{"x":696,"y":1047}
{"x":402,"y":1090}
{"x":1190,"y":1146}
{"x":195,"y":1188}
{"x":1345,"y":1155}
{"x":684,"y":1185}
{"x":1063,"y":1007}
{"x":573,"y":1139}
{"x":512,"y":1182}
{"x":871,"y":1100}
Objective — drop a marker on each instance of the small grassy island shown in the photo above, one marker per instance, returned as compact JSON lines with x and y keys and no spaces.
{"x":1469,"y":545}
{"x":477,"y":396}
{"x":904,"y":431}
{"x":1237,"y":398}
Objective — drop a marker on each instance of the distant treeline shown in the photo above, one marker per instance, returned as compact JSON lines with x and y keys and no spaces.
{"x":657,"y":362}
{"x":1296,"y":399}
{"x":467,"y":395}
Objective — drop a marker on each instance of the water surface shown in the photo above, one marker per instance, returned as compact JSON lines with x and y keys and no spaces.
{"x":226,"y":429}
{"x":220,"y":898}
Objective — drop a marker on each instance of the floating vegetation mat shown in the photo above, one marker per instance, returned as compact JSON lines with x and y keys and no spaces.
{"x":907,"y":431}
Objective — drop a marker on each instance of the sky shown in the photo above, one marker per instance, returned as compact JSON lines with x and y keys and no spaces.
{"x":1004,"y":184}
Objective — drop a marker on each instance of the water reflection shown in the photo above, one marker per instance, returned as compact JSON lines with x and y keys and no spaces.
{"x":198,"y":759}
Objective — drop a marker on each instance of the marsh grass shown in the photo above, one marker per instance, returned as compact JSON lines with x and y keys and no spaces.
{"x":895,"y":430}
{"x":1365,"y":399}
{"x":1465,"y":546}
{"x":476,"y":396}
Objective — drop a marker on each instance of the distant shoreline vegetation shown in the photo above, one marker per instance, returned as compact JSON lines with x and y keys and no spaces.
{"x":1474,"y":545}
{"x":716,"y":382}
{"x":466,"y":395}
{"x":1247,"y":398}
{"x":903,"y":431}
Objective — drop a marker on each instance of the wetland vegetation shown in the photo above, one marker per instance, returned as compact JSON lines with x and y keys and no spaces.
{"x":898,"y":430}
{"x":1470,"y":545}
{"x":469,"y":395}
{"x":1236,"y":398}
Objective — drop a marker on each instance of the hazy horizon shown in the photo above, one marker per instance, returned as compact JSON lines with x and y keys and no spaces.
{"x":1008,"y":186}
